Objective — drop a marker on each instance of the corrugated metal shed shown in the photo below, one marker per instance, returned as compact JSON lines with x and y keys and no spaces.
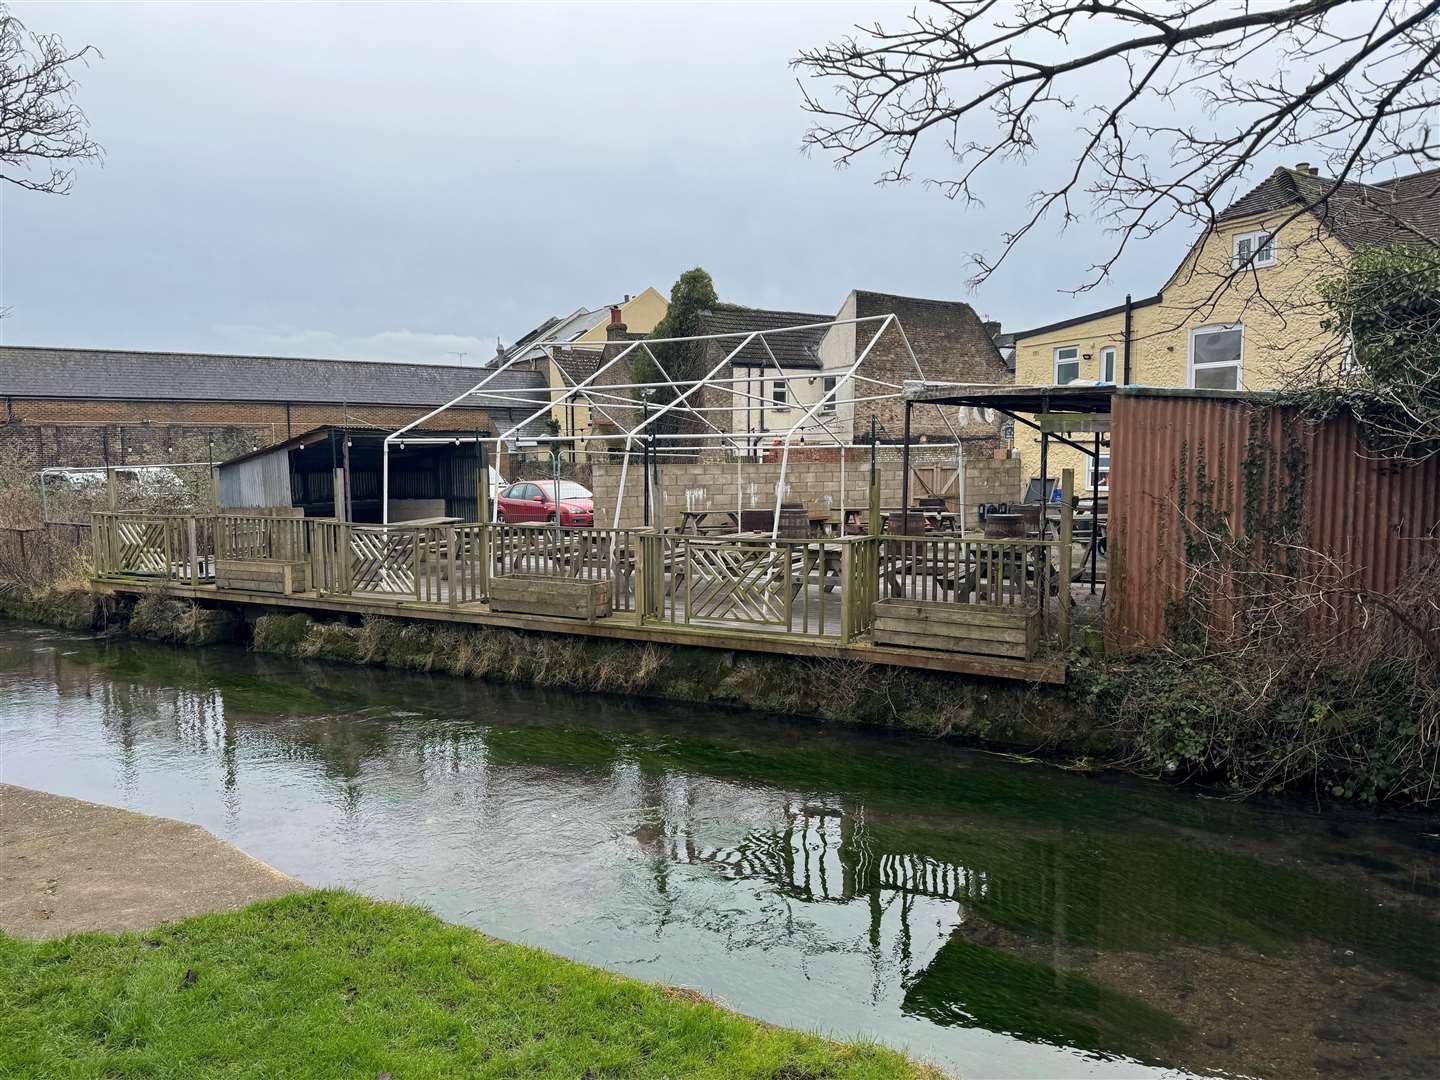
{"x":261,"y":479}
{"x":1373,"y":517}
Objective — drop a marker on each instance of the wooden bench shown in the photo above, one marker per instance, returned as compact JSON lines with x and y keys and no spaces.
{"x":564,"y":597}
{"x":262,"y":575}
{"x":969,"y":628}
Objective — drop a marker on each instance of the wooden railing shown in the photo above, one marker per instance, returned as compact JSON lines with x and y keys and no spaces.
{"x":586,"y":554}
{"x":790,"y":585}
{"x":817,"y":587}
{"x":247,"y":536}
{"x":859,"y":585}
{"x":172,"y":547}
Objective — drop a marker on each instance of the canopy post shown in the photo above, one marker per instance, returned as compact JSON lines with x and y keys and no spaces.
{"x":905,"y":473}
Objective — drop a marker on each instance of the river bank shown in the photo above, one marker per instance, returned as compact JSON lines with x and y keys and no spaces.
{"x":316,"y":984}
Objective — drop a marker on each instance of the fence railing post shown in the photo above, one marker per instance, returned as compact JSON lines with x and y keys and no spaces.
{"x":451,"y":583}
{"x":192,"y":553}
{"x":1067,"y":491}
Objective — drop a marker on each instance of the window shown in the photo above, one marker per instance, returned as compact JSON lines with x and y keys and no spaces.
{"x":1100,"y":465}
{"x":1067,"y":364}
{"x":1215,"y":357}
{"x":1107,"y":365}
{"x":779,"y":395}
{"x":827,"y":384}
{"x":1254,"y":249}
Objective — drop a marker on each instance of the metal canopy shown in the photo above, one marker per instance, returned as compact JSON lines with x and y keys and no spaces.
{"x":1012,"y":399}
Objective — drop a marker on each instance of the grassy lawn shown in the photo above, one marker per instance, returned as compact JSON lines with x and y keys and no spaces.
{"x":327,"y":984}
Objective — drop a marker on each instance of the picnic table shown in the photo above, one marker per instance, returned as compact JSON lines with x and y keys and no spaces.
{"x":697,"y":522}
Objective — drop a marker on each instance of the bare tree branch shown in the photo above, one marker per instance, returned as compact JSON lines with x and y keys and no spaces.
{"x":41,"y":127}
{"x":1354,"y":82}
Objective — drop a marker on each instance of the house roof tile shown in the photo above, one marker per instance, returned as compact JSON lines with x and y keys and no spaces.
{"x":1405,"y":210}
{"x":800,"y":348}
{"x":116,"y":374}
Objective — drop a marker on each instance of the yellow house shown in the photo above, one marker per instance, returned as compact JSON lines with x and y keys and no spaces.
{"x":582,"y":334}
{"x":1241,"y":311}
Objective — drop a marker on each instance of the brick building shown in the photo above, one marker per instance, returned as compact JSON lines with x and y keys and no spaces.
{"x":83,"y":407}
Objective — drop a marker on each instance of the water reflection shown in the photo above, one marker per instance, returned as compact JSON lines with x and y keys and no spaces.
{"x":1002,"y":920}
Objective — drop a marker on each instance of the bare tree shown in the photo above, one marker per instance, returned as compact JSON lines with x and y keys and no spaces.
{"x":42,"y":130}
{"x":1356,"y":83}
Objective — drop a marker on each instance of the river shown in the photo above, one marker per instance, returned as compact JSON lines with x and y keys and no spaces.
{"x":1000,"y":918}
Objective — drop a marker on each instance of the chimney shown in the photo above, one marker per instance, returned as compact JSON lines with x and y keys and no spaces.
{"x":992,"y":327}
{"x":615,"y":313}
{"x":616,"y":331}
{"x":1304,"y":168}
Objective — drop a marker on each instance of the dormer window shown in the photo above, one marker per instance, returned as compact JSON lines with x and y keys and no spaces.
{"x":1254,"y":249}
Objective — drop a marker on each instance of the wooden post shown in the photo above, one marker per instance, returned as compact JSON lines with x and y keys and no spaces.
{"x":112,"y":497}
{"x":847,"y":588}
{"x":343,"y":566}
{"x":1067,"y":491}
{"x":483,"y":554}
{"x":192,"y":555}
{"x":450,"y":580}
{"x":642,"y":578}
{"x":416,"y":538}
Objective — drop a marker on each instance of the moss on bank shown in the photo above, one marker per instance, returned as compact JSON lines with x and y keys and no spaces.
{"x":843,"y":691}
{"x":182,"y":622}
{"x":70,"y":605}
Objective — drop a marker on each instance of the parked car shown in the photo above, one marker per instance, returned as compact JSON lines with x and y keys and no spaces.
{"x":534,"y":500}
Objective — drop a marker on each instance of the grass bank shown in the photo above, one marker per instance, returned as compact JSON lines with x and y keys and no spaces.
{"x":328,"y":984}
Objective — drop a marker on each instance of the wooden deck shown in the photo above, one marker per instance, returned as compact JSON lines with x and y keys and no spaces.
{"x":814,"y":598}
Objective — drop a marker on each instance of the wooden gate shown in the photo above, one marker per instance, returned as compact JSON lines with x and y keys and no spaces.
{"x":936,"y":482}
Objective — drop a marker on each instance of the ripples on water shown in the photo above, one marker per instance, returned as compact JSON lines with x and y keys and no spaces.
{"x":1001,"y":920}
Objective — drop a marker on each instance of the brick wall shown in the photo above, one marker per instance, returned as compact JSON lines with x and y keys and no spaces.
{"x":41,"y":433}
{"x":951,"y":344}
{"x":705,"y":485}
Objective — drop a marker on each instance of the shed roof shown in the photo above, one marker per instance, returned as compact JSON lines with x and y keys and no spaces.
{"x":1083,"y":398}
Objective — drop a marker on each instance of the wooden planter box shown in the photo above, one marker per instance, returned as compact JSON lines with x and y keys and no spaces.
{"x":535,"y":594}
{"x":262,"y":575}
{"x":969,"y":628}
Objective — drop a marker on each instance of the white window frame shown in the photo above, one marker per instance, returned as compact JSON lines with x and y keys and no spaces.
{"x":1238,"y":365}
{"x":780,"y":395}
{"x":1090,"y":471}
{"x":828,"y":383}
{"x":1108,"y":356}
{"x":1260,"y":240}
{"x":1075,"y":359}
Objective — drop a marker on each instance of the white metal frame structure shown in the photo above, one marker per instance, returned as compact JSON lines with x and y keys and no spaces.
{"x":816,"y":419}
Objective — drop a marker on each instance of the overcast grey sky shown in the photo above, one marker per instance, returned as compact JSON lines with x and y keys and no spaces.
{"x":410,"y":182}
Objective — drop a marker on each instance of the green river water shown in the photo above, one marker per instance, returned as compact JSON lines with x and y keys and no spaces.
{"x":998,"y":918}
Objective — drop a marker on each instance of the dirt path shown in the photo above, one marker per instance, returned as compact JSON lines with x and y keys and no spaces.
{"x":68,"y":865}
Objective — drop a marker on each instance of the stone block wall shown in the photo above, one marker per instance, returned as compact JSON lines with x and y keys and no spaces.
{"x":720,"y":485}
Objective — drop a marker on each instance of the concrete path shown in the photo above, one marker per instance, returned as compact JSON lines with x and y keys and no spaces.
{"x":67,"y":865}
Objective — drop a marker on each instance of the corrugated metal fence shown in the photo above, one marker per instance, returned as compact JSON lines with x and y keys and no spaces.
{"x":1177,"y":457}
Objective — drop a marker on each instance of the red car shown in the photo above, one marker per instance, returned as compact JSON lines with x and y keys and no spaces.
{"x":534,"y":500}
